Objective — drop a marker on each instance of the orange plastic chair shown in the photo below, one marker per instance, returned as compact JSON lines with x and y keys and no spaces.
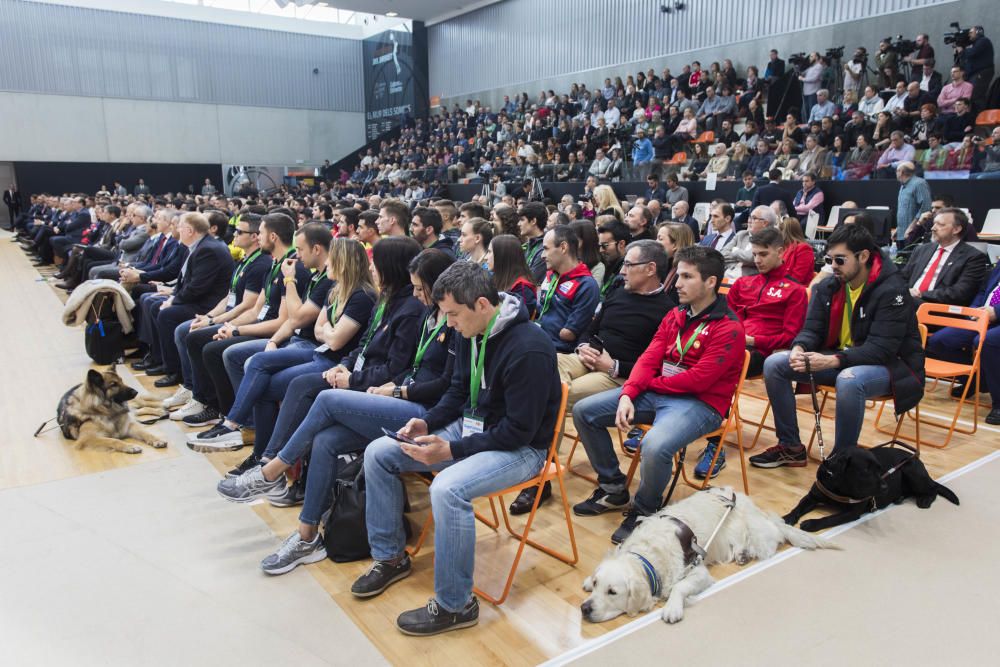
{"x":706,"y":137}
{"x":959,"y":317}
{"x":678,"y":158}
{"x":731,"y":423}
{"x":988,"y":117}
{"x":552,"y":469}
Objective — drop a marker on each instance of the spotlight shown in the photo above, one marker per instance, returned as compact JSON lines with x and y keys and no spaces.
{"x":392,"y":15}
{"x":665,"y":9}
{"x":679,"y":6}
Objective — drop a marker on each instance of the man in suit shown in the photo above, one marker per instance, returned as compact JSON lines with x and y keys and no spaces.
{"x":721,"y":233}
{"x":946,"y":270}
{"x":957,"y":346}
{"x":203,"y":282}
{"x":65,"y":233}
{"x":12,"y":198}
{"x":141,"y":188}
{"x":768,"y":194}
{"x":679,"y":213}
{"x":928,"y":79}
{"x":775,"y":67}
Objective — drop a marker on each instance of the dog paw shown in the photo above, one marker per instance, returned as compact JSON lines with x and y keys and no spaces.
{"x":158,"y":444}
{"x":672,"y":613}
{"x":132,"y":449}
{"x":790,"y":519}
{"x":810,"y":525}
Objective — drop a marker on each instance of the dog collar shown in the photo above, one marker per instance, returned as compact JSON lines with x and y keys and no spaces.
{"x":651,"y":576}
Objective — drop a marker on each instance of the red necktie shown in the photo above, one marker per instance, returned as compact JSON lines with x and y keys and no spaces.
{"x":925,"y":284}
{"x":159,"y":249}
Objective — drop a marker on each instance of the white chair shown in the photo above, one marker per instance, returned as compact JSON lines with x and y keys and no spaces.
{"x":991,"y":226}
{"x":831,"y":222}
{"x":700,"y":213}
{"x":812,"y":222}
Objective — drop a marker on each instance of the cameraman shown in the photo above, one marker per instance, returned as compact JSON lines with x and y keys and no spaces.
{"x":988,"y":165}
{"x":855,"y":68}
{"x":812,"y":81}
{"x":887,"y":63}
{"x":924,"y":52}
{"x":976,"y":60}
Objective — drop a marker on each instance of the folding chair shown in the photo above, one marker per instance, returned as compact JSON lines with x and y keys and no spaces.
{"x":991,"y":226}
{"x":732,"y":422}
{"x":959,"y":317}
{"x":552,"y":469}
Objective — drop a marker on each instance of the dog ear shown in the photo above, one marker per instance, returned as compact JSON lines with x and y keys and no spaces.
{"x":588,"y":585}
{"x":95,"y":379}
{"x":639,"y":597}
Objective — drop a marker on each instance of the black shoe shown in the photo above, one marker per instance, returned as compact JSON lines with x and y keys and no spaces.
{"x":248,"y":463}
{"x":157,"y":369}
{"x":522,"y":504}
{"x":632,"y":517}
{"x":69,"y":285}
{"x":137,"y":353}
{"x":600,"y":501}
{"x":204,"y":418}
{"x":994,"y":417}
{"x":143,"y":363}
{"x":168,"y":380}
{"x":793,"y":456}
{"x":956,"y":391}
{"x":40,"y":263}
{"x":295,"y":494}
{"x":380,"y":576}
{"x":433,"y":619}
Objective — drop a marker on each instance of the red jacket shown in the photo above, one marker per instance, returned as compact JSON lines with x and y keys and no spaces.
{"x":771,"y":307}
{"x":800,"y":263}
{"x":713,"y":362}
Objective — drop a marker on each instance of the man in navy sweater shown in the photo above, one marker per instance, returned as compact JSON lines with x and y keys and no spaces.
{"x":490,"y":430}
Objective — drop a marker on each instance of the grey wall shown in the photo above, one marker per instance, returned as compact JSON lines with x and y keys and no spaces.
{"x":542,"y":46}
{"x":46,"y":48}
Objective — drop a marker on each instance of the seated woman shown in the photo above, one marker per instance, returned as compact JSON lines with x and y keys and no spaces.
{"x":673,"y":236}
{"x":510,"y":271}
{"x":338,"y":328}
{"x":384,"y":351}
{"x":860,"y":161}
{"x":799,"y":259}
{"x":475,"y":239}
{"x":342,"y":421}
{"x":937,"y":157}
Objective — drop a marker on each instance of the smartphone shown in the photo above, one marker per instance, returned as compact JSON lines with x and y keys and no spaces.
{"x":596,"y":343}
{"x":401,"y":438}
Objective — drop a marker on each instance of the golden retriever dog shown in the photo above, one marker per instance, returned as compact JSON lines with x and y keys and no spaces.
{"x":96,"y":414}
{"x":661,"y":559}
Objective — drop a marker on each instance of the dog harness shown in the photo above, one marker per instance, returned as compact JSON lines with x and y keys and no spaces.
{"x":693,"y":553}
{"x":846,"y":500}
{"x":655,"y":585}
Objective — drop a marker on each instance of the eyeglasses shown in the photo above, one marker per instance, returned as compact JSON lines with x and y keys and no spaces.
{"x":605,"y":244}
{"x":839,"y":260}
{"x":629,"y":265}
{"x":757,"y":217}
{"x":244,"y":231}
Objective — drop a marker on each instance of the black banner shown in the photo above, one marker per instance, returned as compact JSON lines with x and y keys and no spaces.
{"x":395,"y":64}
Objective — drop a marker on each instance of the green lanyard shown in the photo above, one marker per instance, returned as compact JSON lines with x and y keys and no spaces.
{"x":331,"y":312}
{"x":317,"y":276}
{"x":607,"y":284}
{"x":376,"y":321}
{"x":241,"y":269}
{"x":275,"y":268}
{"x":687,"y":346}
{"x":476,"y":369}
{"x":533,"y":253}
{"x":547,"y":300}
{"x":425,"y":342}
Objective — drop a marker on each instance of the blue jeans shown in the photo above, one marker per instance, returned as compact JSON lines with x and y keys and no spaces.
{"x":257,"y":373}
{"x":180,"y":342}
{"x":451,"y":500}
{"x":340,"y":421}
{"x":296,"y":388}
{"x":855,"y":385}
{"x":677,"y":421}
{"x":234,"y":359}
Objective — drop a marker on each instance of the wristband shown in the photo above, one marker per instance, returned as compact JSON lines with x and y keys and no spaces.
{"x":289,"y":280}
{"x":211,"y":321}
{"x":397,"y":392}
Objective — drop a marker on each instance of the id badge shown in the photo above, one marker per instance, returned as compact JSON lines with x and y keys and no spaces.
{"x":262,"y":315}
{"x":231,"y":301}
{"x":670,"y":369}
{"x":323,"y":348}
{"x":359,"y":363}
{"x":472,"y":423}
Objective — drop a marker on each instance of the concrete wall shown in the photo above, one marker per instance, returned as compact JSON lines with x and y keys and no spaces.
{"x":866,"y":32}
{"x":61,"y":128}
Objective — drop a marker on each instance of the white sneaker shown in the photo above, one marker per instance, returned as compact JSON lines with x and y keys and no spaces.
{"x":192,"y":407}
{"x":179,"y":399}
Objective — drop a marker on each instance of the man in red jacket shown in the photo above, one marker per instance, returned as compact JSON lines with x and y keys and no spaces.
{"x":682,"y":384}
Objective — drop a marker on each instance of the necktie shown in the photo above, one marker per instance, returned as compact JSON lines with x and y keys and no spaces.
{"x":159,"y":249}
{"x":925,"y":284}
{"x":994,"y":299}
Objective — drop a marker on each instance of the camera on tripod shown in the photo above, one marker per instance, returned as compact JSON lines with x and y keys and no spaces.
{"x":903,"y":47}
{"x":835,"y":53}
{"x":959,"y":36}
{"x":799,"y":61}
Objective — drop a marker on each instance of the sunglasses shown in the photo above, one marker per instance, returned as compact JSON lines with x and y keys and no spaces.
{"x":839,"y":260}
{"x":244,"y":231}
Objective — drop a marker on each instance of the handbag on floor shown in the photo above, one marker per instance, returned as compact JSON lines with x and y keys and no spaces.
{"x":103,"y":336}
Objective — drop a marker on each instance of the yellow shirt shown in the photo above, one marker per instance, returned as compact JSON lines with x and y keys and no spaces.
{"x":845,"y":322}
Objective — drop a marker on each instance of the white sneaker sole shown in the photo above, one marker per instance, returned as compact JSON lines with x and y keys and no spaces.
{"x":205,"y":447}
{"x":314,"y":557}
{"x":261,"y":497}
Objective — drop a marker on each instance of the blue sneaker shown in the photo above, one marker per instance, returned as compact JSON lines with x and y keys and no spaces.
{"x":632,"y":440}
{"x":701,"y":470}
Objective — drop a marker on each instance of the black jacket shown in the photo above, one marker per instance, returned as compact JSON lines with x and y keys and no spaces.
{"x":432,"y":379}
{"x":522,"y":393}
{"x":958,"y":280}
{"x":766,"y":194}
{"x":391,"y":348}
{"x":884,"y":330}
{"x":206,"y":278}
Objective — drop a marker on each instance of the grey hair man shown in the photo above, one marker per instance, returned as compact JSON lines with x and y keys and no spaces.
{"x":741,"y":252}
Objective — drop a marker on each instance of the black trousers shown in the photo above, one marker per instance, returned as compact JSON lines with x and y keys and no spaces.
{"x":165,"y":321}
{"x":210,"y":380}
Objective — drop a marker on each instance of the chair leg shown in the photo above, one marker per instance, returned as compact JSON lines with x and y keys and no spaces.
{"x":415,"y":549}
{"x":569,"y":462}
{"x":761,"y":425}
{"x":953,"y":426}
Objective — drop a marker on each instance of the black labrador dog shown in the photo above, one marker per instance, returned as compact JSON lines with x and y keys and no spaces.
{"x":859,"y":480}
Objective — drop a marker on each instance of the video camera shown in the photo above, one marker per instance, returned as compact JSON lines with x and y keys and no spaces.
{"x":799,"y":60}
{"x":959,"y":36}
{"x":903,"y":47}
{"x":835,"y":53}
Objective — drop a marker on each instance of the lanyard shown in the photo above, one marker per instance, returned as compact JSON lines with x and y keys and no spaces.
{"x":331,"y":312}
{"x":317,"y":276}
{"x":533,"y":253}
{"x":607,"y":283}
{"x":425,"y":341}
{"x":275,"y":268}
{"x":241,"y":269}
{"x":476,"y":369}
{"x":547,"y":299}
{"x":682,"y":350}
{"x":376,"y":321}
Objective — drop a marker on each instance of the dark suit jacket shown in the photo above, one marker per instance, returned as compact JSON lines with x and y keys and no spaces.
{"x":766,"y":194}
{"x":988,"y":286}
{"x":959,"y":278}
{"x":692,"y":222}
{"x":935,"y":83}
{"x":169,"y":265}
{"x":78,"y":222}
{"x":205,"y":281}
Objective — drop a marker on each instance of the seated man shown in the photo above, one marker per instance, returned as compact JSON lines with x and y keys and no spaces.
{"x":490,"y":430}
{"x":613,"y":237}
{"x":860,"y":335}
{"x":739,"y":256}
{"x":682,"y":384}
{"x":946,"y":270}
{"x":957,"y":346}
{"x":569,"y":295}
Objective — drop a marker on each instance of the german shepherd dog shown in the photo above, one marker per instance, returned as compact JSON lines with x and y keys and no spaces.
{"x":96,"y":414}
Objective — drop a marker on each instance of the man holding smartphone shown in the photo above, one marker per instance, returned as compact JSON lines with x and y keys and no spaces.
{"x":490,"y":430}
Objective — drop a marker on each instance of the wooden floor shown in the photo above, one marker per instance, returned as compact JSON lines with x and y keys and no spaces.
{"x":541,"y":618}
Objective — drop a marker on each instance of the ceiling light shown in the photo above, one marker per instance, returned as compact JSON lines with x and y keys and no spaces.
{"x":392,"y":14}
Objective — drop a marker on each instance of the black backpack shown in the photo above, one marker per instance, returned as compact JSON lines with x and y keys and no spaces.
{"x":103,"y":336}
